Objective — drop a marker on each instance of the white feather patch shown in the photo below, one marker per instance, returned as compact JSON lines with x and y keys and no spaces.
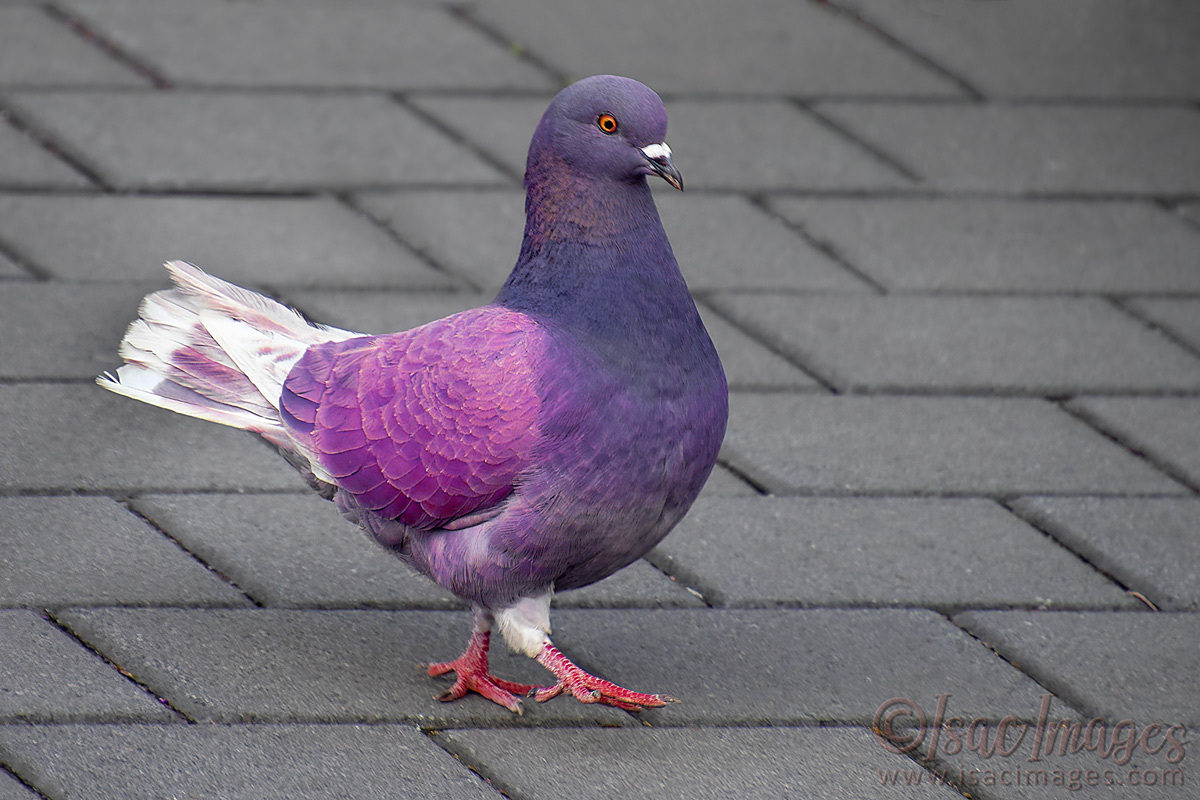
{"x":252,"y":307}
{"x":526,"y":624}
{"x":262,"y":356}
{"x":653,"y":151}
{"x":142,"y":384}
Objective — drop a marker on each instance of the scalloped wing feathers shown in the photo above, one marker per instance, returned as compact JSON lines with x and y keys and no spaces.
{"x":425,"y":426}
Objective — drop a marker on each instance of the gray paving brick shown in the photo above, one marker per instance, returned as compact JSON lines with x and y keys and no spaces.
{"x":260,"y":762}
{"x":699,"y":763}
{"x":1191,"y":211}
{"x":37,"y":51}
{"x":24,"y":164}
{"x":770,"y":551}
{"x":977,"y":244}
{"x":924,"y":445}
{"x":230,"y":140}
{"x":779,"y":47}
{"x":1166,"y":429}
{"x":1064,"y":51}
{"x":65,"y":437}
{"x":1149,"y":544}
{"x":1035,"y":148}
{"x":310,"y":44}
{"x":747,"y":363}
{"x":53,"y":330}
{"x":47,"y":677}
{"x":12,"y":789}
{"x":776,"y":667}
{"x":292,"y":550}
{"x":60,"y":551}
{"x":723,"y":242}
{"x":251,"y":241}
{"x":710,"y":234}
{"x":10,"y":270}
{"x":268,"y":665}
{"x":723,"y":483}
{"x":637,"y":586}
{"x":718,"y":144}
{"x":1179,"y":316}
{"x":1135,"y":665}
{"x":1034,"y":345}
{"x":433,"y":221}
{"x":502,"y":127}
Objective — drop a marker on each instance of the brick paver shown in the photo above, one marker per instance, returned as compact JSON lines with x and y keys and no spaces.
{"x":214,"y":141}
{"x":1034,"y":148}
{"x":68,"y":436}
{"x":1018,"y":345}
{"x":72,"y":551}
{"x":928,"y":552}
{"x":1147,"y":543}
{"x":1005,"y":245}
{"x":1149,"y":46}
{"x":48,"y":677}
{"x":947,"y":251}
{"x":273,"y":762}
{"x":1152,"y":677}
{"x":780,"y":47}
{"x":23,"y":164}
{"x":310,"y":45}
{"x":1166,"y":429}
{"x":280,"y":241}
{"x":1178,"y":316}
{"x":913,"y":444}
{"x":708,"y":763}
{"x":38,"y":50}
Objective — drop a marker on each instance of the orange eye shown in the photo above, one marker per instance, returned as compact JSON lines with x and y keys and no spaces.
{"x":607,"y":123}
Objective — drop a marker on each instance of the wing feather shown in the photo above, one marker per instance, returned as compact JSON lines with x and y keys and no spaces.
{"x":428,"y":426}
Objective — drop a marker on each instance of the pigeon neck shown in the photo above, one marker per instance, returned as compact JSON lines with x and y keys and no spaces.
{"x":595,"y":258}
{"x":563,"y":206}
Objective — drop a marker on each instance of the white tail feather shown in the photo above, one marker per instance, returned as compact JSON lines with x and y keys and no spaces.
{"x":152,"y":388}
{"x":213,"y":350}
{"x":265,"y":357}
{"x":261,"y":312}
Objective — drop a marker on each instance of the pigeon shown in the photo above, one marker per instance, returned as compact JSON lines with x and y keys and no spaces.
{"x":530,"y":446}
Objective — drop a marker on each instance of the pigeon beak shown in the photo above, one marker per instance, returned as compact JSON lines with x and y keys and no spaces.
{"x":659,"y":156}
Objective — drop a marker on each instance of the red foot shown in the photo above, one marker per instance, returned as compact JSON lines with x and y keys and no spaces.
{"x":473,"y":675}
{"x":588,"y":688}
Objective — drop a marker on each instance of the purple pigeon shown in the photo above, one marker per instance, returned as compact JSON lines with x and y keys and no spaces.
{"x":536,"y":444}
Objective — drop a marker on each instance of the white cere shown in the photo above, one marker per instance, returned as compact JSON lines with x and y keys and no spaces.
{"x":660,"y":150}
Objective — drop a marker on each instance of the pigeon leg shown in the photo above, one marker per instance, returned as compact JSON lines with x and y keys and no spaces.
{"x":473,"y":675}
{"x":587,"y":688}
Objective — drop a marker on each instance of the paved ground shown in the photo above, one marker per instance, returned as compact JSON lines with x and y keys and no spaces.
{"x":950,"y":252}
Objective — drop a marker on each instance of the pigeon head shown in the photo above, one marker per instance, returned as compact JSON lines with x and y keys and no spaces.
{"x":604,"y":128}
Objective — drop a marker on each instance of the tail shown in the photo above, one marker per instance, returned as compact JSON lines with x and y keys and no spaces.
{"x":215,"y":351}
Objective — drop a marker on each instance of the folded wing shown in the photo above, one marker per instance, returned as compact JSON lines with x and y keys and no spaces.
{"x":428,"y":426}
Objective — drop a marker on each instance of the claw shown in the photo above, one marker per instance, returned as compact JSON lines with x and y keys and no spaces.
{"x":587,"y":688}
{"x":472,"y":675}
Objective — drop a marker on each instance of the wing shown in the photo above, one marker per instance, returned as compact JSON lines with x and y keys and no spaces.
{"x":425,"y":426}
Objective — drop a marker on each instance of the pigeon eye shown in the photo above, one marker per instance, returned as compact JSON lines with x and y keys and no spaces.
{"x":607,"y":123}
